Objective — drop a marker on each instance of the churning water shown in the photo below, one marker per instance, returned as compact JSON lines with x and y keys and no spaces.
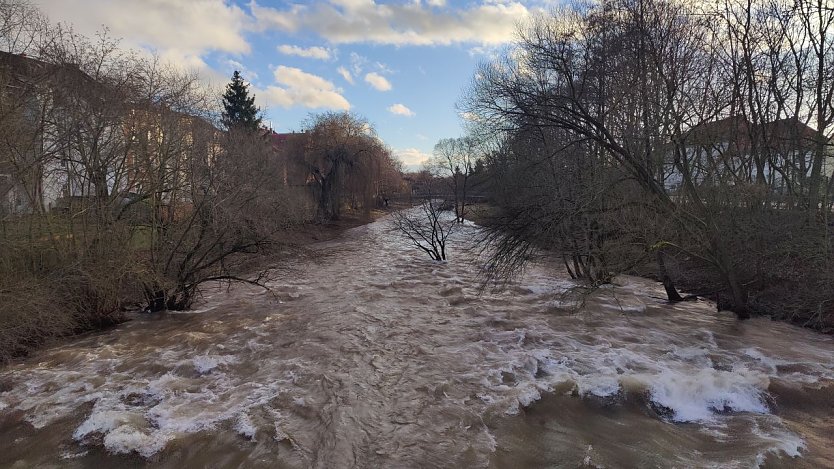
{"x":366,"y":354}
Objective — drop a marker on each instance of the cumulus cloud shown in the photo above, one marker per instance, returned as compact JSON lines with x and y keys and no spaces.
{"x":378,"y":81}
{"x":345,"y":73}
{"x":400,"y":109}
{"x":412,"y":158}
{"x":408,"y":23}
{"x":297,"y":88}
{"x":315,"y":52}
{"x":190,"y":26}
{"x":180,"y":32}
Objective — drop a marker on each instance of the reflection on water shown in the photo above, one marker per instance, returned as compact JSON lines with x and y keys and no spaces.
{"x":368,"y":355}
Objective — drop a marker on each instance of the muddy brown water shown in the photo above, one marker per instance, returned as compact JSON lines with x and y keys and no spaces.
{"x":368,"y":355}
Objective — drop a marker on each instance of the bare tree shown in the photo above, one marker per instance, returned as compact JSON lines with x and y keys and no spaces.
{"x":232,"y":202}
{"x":639,"y":131}
{"x":454,"y":160}
{"x":23,"y":28}
{"x":428,"y":225}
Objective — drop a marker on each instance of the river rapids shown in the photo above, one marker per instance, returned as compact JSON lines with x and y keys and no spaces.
{"x":367,"y":354}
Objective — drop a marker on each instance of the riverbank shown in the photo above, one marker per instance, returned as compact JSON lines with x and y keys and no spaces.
{"x":310,"y":233}
{"x":766,"y":300}
{"x":36,"y":313}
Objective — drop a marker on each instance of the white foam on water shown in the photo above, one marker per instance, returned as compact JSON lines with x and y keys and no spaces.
{"x":182,"y":408}
{"x":781,"y":441}
{"x":698,"y":396}
{"x":60,"y":400}
{"x":528,"y":395}
{"x":697,"y":355}
{"x":486,"y":398}
{"x":103,"y":421}
{"x":245,"y":427}
{"x":124,"y":430}
{"x":206,"y":363}
{"x":69,"y":454}
{"x":760,"y":357}
{"x":202,"y":310}
{"x":126,"y":439}
{"x":140,"y":413}
{"x":599,"y":385}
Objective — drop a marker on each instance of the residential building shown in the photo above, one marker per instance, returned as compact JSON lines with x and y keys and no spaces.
{"x":733,"y":151}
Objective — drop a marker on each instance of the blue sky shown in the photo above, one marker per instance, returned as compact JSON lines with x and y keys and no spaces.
{"x":400,"y":64}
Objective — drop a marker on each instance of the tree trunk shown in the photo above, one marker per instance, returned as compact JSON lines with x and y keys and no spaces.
{"x":671,"y":293}
{"x":739,"y":296}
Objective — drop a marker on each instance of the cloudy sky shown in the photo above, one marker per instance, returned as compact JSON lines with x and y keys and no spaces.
{"x":401,"y":63}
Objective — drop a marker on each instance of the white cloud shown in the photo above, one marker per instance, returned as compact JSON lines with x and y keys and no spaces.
{"x":345,"y":73}
{"x":248,"y":74}
{"x":378,"y":81}
{"x":490,"y":51}
{"x":412,"y":23}
{"x":412,"y":158}
{"x":469,"y":117}
{"x":357,"y":62}
{"x":302,"y":89}
{"x":192,"y":27}
{"x":383,"y":68}
{"x":401,"y":110}
{"x":181,"y":32}
{"x":315,"y":52}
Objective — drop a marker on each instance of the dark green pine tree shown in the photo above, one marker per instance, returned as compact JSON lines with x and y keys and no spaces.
{"x":239,"y":109}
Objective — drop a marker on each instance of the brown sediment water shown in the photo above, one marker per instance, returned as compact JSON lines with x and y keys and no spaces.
{"x":365,"y":354}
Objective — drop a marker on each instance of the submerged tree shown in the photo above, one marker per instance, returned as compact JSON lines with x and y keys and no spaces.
{"x":239,"y":110}
{"x":427,"y":226}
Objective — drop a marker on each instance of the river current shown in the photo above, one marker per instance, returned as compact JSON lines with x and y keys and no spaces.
{"x":368,"y":354}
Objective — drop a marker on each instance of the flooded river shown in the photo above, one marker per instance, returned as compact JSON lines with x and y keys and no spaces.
{"x":367,"y":354}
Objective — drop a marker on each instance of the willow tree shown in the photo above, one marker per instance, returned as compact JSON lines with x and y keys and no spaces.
{"x":344,"y":158}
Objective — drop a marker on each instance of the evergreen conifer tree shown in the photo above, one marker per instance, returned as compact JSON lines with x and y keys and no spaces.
{"x":239,"y":109}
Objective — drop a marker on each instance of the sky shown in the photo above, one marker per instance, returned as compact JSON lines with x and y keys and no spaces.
{"x":403,"y":65}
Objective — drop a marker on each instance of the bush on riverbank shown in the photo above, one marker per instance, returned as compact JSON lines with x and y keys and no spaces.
{"x":783,"y":282}
{"x":66,"y":296}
